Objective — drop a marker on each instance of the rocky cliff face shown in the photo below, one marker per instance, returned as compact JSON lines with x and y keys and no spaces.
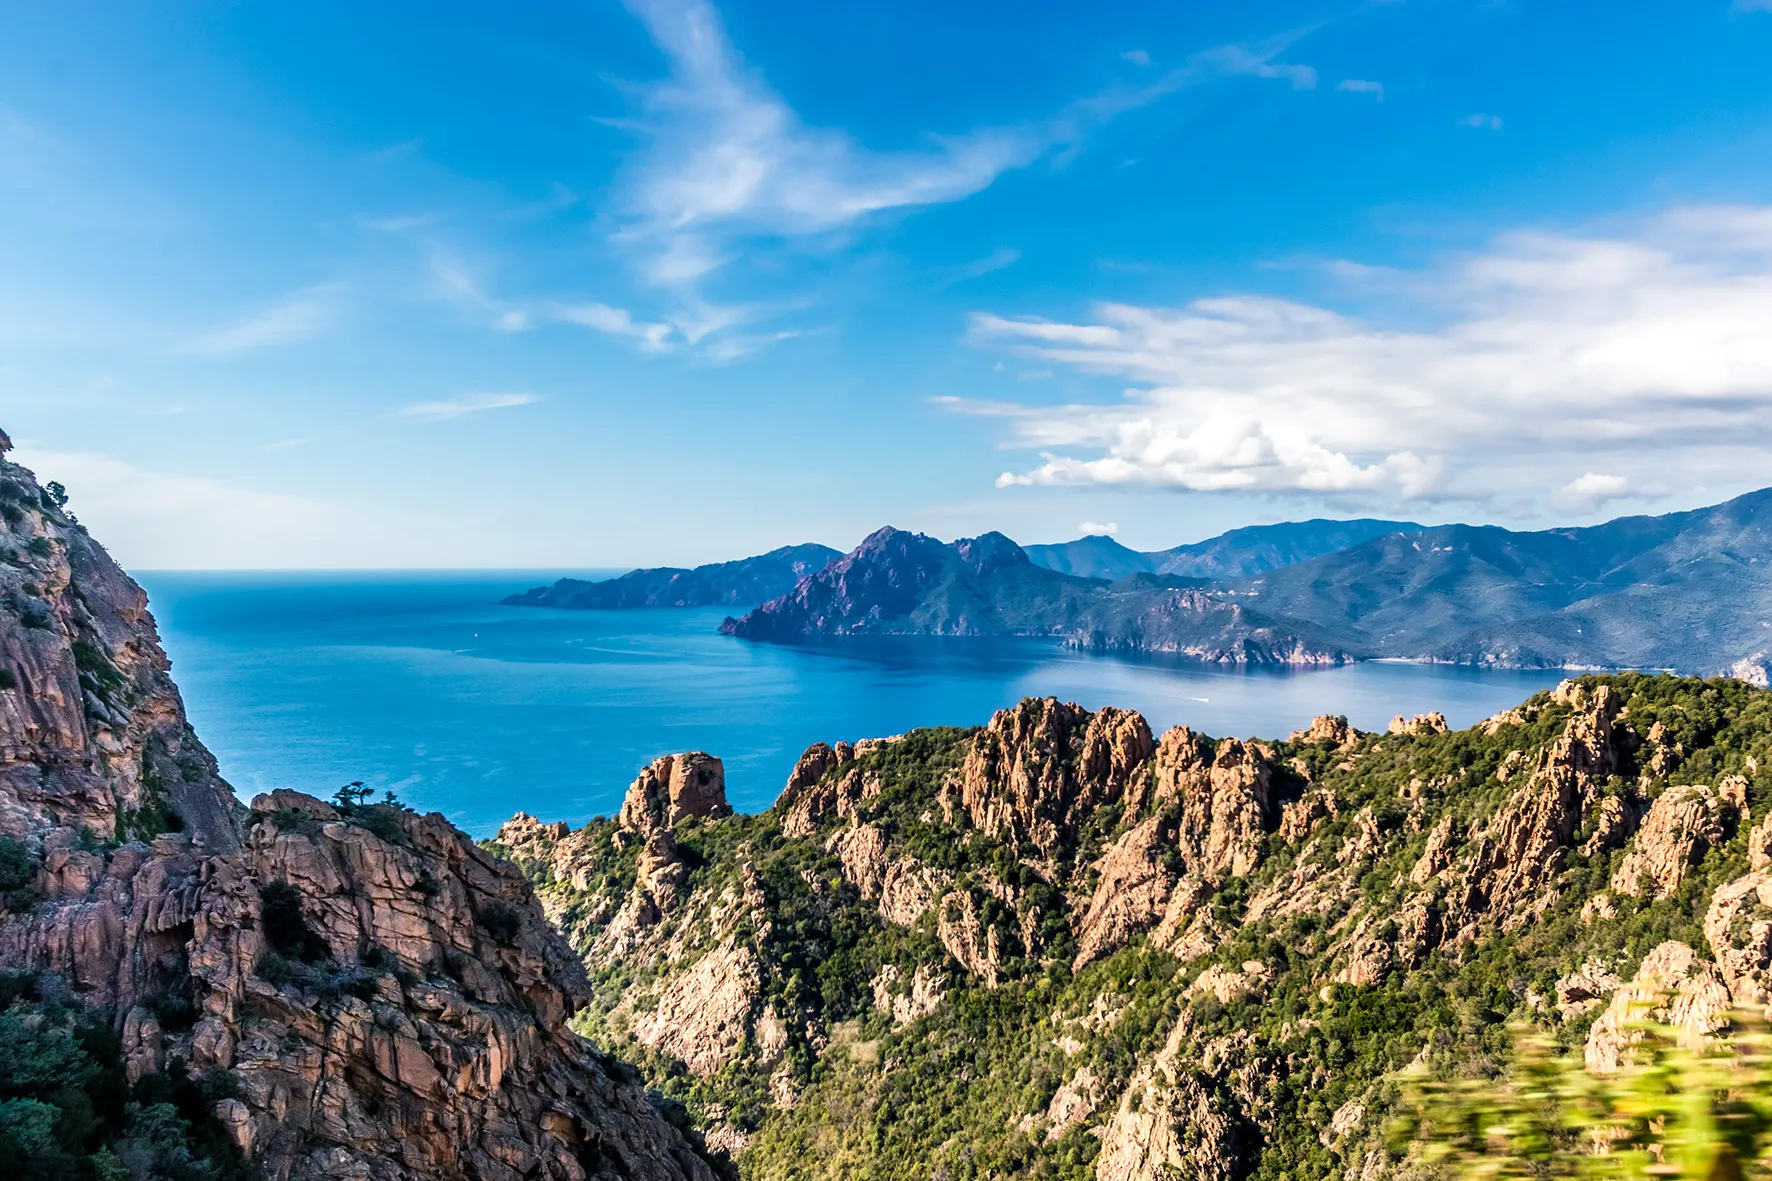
{"x":380,"y":999}
{"x":1175,"y":955}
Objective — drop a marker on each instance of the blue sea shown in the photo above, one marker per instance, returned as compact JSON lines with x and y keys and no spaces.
{"x":422,"y":684}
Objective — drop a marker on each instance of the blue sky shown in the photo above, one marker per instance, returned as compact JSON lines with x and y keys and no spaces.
{"x":589,"y":284}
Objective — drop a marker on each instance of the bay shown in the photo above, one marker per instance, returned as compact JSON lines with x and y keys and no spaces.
{"x":420,"y":683}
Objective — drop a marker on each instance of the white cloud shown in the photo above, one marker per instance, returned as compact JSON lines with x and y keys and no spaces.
{"x":1362,"y":86}
{"x":466,"y":404}
{"x":1587,"y":492}
{"x":306,"y":313}
{"x":728,"y":152}
{"x":1137,"y":57}
{"x":728,"y":167}
{"x":1098,"y":529}
{"x":1646,"y":352}
{"x":153,"y":520}
{"x":616,"y":322}
{"x":1752,"y":6}
{"x":1481,"y":122}
{"x":996,"y":260}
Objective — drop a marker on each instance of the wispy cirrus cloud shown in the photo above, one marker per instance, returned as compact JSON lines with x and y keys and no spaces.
{"x":1573,"y":369}
{"x":652,"y":337}
{"x":303,"y":314}
{"x":1481,"y":122}
{"x":442,"y":411}
{"x":727,"y":164}
{"x":1361,"y":86}
{"x":727,"y":156}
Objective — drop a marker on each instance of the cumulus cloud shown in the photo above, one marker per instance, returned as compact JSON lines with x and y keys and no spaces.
{"x":1481,"y":122}
{"x":1362,"y":86}
{"x":464,"y":405}
{"x":1590,"y":491}
{"x":1099,"y":529}
{"x":1551,"y":355}
{"x":305,"y":313}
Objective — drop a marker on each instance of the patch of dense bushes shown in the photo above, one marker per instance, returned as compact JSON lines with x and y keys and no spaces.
{"x":68,"y":1112}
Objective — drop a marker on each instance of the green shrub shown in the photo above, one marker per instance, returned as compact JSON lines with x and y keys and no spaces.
{"x":68,"y":1113}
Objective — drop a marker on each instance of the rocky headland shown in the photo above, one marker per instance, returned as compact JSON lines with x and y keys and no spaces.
{"x":902,"y":583}
{"x":288,"y":989}
{"x":1688,"y":592}
{"x":719,"y":584}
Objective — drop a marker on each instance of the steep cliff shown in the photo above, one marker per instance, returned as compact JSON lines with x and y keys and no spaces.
{"x":350,"y":991}
{"x":1061,"y":946}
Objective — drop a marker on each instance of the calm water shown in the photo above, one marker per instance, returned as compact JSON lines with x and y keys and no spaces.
{"x":421,"y":683}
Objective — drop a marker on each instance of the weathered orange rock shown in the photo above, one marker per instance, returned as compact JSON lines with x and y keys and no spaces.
{"x":674,"y":788}
{"x":417,"y":1032}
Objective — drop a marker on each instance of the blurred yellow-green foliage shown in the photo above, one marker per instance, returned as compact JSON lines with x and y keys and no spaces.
{"x":1677,"y":1108}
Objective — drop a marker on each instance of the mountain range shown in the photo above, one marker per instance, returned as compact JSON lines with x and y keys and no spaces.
{"x":1240,"y":553}
{"x":1688,"y":591}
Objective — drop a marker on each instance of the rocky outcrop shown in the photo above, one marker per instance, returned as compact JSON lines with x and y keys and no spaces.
{"x":1170,"y":1122}
{"x":1133,"y":885}
{"x":1223,"y":794}
{"x":1672,"y":987}
{"x":1517,"y":856}
{"x":1586,"y":989}
{"x":906,"y":999}
{"x":387,"y":998}
{"x":1738,"y":927}
{"x":1682,"y":825}
{"x":807,"y":798}
{"x":1216,"y":875}
{"x":1328,"y":730}
{"x":826,"y":783}
{"x":1039,"y":767}
{"x":673,"y":789}
{"x":704,"y":1016}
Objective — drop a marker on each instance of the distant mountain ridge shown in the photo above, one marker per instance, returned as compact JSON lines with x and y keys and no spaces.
{"x":718,"y":584}
{"x":1690,"y":591}
{"x":1240,"y":553}
{"x":902,"y":583}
